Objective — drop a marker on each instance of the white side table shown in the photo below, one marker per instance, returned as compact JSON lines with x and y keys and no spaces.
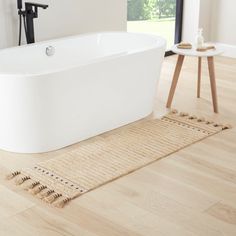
{"x":192,"y":52}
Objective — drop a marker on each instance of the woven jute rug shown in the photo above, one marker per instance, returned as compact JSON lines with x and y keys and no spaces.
{"x":107,"y":157}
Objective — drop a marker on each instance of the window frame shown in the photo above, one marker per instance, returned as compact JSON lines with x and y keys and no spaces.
{"x":178,"y":24}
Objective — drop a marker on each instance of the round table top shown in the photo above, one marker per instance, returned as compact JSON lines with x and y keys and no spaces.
{"x":194,"y":53}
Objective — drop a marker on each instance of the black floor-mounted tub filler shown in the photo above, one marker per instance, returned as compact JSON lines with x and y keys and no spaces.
{"x":28,"y":15}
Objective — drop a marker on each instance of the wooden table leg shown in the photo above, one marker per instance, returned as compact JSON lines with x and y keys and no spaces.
{"x":199,"y":77}
{"x":211,"y":68}
{"x":175,"y":80}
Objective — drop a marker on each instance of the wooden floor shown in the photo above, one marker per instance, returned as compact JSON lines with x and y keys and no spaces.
{"x":192,"y":192}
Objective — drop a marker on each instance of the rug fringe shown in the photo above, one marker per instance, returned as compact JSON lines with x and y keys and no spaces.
{"x":31,"y":185}
{"x":62,"y":202}
{"x":45,"y":193}
{"x":13,"y":175}
{"x":52,"y":198}
{"x":199,"y":119}
{"x":37,"y":189}
{"x":173,"y":111}
{"x":227,"y":126}
{"x":21,"y":178}
{"x":183,"y":114}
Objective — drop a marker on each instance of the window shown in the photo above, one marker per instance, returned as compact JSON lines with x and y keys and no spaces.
{"x":161,"y":17}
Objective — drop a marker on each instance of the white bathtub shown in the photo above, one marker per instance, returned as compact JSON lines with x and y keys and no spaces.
{"x":92,"y":84}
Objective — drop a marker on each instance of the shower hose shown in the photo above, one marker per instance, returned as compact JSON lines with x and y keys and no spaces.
{"x":22,"y":15}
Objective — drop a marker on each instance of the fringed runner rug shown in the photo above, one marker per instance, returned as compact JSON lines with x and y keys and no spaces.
{"x":109,"y":156}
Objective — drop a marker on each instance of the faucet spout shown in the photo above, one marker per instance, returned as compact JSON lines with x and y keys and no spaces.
{"x":36,"y":5}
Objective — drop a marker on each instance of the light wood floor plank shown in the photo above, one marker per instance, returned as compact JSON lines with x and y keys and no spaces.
{"x":201,"y":181}
{"x":133,"y":217}
{"x":12,"y":203}
{"x":223,"y":212}
{"x":170,"y":210}
{"x":38,"y":222}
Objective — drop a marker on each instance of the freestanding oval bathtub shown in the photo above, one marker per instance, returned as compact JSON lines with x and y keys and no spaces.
{"x":92,"y":84}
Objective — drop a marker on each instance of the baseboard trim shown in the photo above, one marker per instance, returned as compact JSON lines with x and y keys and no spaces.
{"x":229,"y":50}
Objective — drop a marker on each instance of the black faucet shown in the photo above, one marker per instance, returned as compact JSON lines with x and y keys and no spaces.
{"x":29,"y":14}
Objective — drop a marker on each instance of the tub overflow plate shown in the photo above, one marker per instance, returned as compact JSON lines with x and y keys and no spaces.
{"x":50,"y":51}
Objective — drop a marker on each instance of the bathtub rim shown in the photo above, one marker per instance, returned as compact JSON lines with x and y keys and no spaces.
{"x":160,"y":43}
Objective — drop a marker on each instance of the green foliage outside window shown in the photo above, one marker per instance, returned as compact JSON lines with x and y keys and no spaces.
{"x":150,"y":9}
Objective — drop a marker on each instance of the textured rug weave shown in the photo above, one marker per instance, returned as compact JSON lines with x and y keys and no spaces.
{"x":109,"y":156}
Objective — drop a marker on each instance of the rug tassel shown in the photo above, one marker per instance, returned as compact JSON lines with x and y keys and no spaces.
{"x":45,"y":193}
{"x":192,"y":117}
{"x":226,"y":126}
{"x":21,"y":179}
{"x":201,"y":119}
{"x":13,"y":175}
{"x":209,"y":122}
{"x":174,"y":111}
{"x":61,"y":203}
{"x":32,"y":185}
{"x":183,"y":114}
{"x":37,"y":189}
{"x":52,"y":198}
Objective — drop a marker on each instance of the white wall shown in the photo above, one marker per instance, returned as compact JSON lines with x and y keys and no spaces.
{"x":7,"y":24}
{"x":224,"y":22}
{"x":205,"y":17}
{"x":63,"y":18}
{"x":218,"y":19}
{"x":190,"y":20}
